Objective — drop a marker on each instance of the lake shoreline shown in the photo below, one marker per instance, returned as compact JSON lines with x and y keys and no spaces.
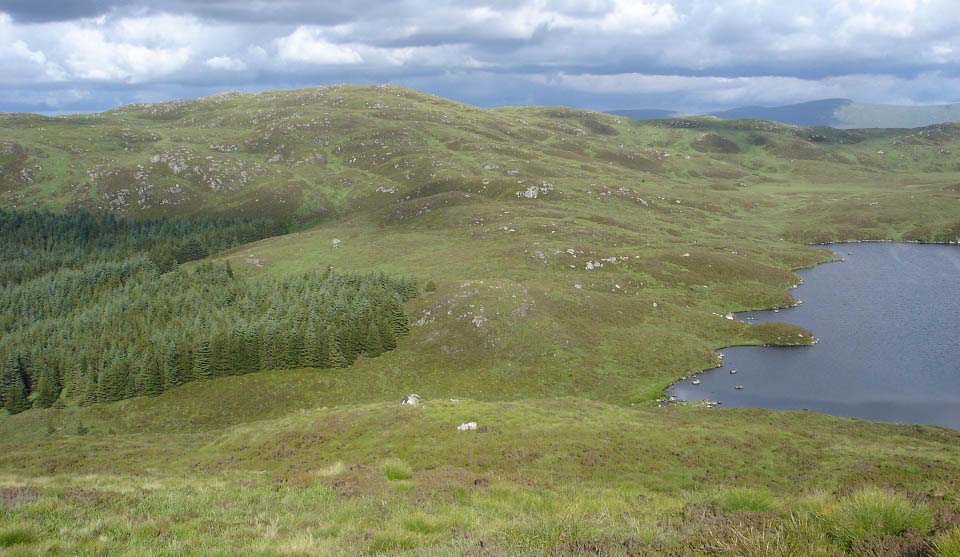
{"x":672,"y":395}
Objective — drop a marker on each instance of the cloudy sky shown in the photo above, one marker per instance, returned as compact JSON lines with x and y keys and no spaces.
{"x":692,"y":55}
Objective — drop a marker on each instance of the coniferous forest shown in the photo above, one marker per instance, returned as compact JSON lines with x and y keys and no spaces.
{"x":96,"y":308}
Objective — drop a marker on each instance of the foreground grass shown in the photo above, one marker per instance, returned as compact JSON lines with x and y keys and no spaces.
{"x":556,"y":476}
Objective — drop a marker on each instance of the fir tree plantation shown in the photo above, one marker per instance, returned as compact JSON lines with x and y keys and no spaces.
{"x":96,"y":309}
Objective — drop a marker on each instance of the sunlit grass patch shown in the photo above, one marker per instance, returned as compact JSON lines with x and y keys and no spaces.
{"x":334,"y":469}
{"x":423,"y":524}
{"x":745,"y":499}
{"x":386,"y":543}
{"x":875,"y":513}
{"x":947,"y":544}
{"x":395,"y":469}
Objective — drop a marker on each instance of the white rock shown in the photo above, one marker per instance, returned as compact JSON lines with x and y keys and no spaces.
{"x":467,"y":426}
{"x":412,"y":399}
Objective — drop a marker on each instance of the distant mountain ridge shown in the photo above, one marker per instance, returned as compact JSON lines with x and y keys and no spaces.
{"x":837,"y":113}
{"x":813,"y":113}
{"x":645,"y":113}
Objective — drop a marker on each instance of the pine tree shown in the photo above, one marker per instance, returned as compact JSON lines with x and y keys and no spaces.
{"x":311,"y":350}
{"x":151,"y":382}
{"x":112,"y":382}
{"x":398,"y":320}
{"x":387,"y":334}
{"x":8,"y":375}
{"x":269,"y":349}
{"x":248,"y":350}
{"x":172,"y":367}
{"x":372,"y":342}
{"x":191,"y":250}
{"x":48,"y":388}
{"x":16,"y":400}
{"x":220,"y":356}
{"x":293,"y":348}
{"x":201,"y":362}
{"x":337,"y":359}
{"x":91,"y":388}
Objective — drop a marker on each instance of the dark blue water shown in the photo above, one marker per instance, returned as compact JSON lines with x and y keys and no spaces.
{"x":888,"y":321}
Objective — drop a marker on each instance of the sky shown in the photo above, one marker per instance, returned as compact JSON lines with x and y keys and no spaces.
{"x":686,"y":55}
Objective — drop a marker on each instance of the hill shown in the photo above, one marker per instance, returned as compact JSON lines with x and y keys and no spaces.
{"x":572,"y":264}
{"x":645,"y":113}
{"x":836,"y":113}
{"x":814,"y":113}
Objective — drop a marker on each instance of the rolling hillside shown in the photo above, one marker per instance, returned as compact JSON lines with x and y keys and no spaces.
{"x":572,"y":265}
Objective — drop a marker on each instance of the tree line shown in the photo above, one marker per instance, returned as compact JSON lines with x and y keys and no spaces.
{"x":120,"y":323}
{"x":37,"y":242}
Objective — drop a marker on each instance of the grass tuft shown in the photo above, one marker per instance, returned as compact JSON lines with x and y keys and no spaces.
{"x":874,"y":513}
{"x":799,"y":534}
{"x":947,"y":544}
{"x":334,"y":469}
{"x":384,"y":544}
{"x":746,"y":499}
{"x":396,"y":469}
{"x":10,"y":537}
{"x":420,"y":523}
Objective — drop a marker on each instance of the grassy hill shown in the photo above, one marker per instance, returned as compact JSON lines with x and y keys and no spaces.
{"x":582,"y":262}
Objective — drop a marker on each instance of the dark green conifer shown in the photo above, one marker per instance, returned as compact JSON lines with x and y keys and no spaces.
{"x":15,"y":400}
{"x":173,"y":367}
{"x":372,"y":341}
{"x":201,"y":362}
{"x":151,"y":381}
{"x":8,"y":375}
{"x":48,"y":387}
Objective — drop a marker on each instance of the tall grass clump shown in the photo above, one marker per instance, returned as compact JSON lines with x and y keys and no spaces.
{"x":396,"y":469}
{"x":746,"y":499}
{"x":10,"y":537}
{"x":874,"y":513}
{"x":797,"y":535}
{"x":947,"y":544}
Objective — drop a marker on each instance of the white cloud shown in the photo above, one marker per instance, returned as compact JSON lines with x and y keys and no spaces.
{"x":94,"y":55}
{"x":20,"y":62}
{"x":226,"y":63}
{"x":755,"y":49}
{"x":934,"y":87}
{"x":307,"y":45}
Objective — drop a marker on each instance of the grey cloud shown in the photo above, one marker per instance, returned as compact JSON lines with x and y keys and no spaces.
{"x":33,"y":11}
{"x":493,"y":52}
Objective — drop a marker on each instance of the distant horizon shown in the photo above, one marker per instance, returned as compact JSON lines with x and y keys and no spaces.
{"x":691,"y":56}
{"x":610,"y":109}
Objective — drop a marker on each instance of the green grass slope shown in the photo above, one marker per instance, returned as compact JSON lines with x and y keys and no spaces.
{"x":582,"y":263}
